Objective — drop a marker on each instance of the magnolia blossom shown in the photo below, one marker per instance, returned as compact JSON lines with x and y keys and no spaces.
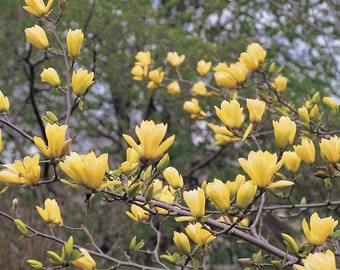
{"x":198,"y":234}
{"x":56,"y":145}
{"x":330,"y":149}
{"x":284,"y":131}
{"x":86,"y":262}
{"x":319,"y":228}
{"x":261,"y":167}
{"x":151,"y":145}
{"x":26,"y":172}
{"x":86,"y":170}
{"x":38,"y":7}
{"x":4,"y":103}
{"x":195,"y":200}
{"x":156,"y":76}
{"x":218,"y":194}
{"x":51,"y":213}
{"x":230,"y":113}
{"x":81,"y":80}
{"x":173,"y":178}
{"x":182,"y":242}
{"x":137,"y":214}
{"x":318,"y":261}
{"x":74,"y":40}
{"x":291,"y":161}
{"x":256,"y":109}
{"x":174,"y":59}
{"x":37,"y":37}
{"x":238,"y":71}
{"x":306,"y":151}
{"x":192,"y":106}
{"x":280,"y":83}
{"x":174,"y":88}
{"x":50,"y":76}
{"x":203,"y":67}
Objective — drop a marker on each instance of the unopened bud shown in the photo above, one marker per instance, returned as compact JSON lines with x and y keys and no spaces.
{"x":15,"y":204}
{"x":21,"y":226}
{"x":163,"y":163}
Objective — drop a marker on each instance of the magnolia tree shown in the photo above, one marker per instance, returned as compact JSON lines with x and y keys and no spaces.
{"x":249,"y":105}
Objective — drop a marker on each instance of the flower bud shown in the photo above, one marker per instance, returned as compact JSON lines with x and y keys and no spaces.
{"x":15,"y":204}
{"x":203,"y":67}
{"x":50,"y":76}
{"x":174,"y":88}
{"x":245,"y":194}
{"x":74,"y":40}
{"x":173,"y":178}
{"x":182,"y":242}
{"x":37,"y":37}
{"x":4,"y":103}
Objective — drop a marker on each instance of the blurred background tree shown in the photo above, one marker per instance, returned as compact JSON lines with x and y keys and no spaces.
{"x":301,"y":35}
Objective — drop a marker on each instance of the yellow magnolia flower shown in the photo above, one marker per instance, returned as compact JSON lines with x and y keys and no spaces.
{"x":38,"y":7}
{"x":137,"y":214}
{"x":143,"y":59}
{"x":174,"y":88}
{"x":222,"y":66}
{"x":257,"y":50}
{"x":238,"y":71}
{"x":174,"y":59}
{"x":222,"y":134}
{"x":233,"y":186}
{"x":250,"y":60}
{"x":173,"y":178}
{"x":150,"y":138}
{"x":182,"y":242}
{"x":165,"y":196}
{"x":256,"y":109}
{"x":253,"y":56}
{"x":86,"y":170}
{"x":26,"y":172}
{"x":37,"y":37}
{"x":304,"y":114}
{"x":280,"y":83}
{"x":291,"y":161}
{"x":4,"y":103}
{"x":195,"y":200}
{"x":225,"y":79}
{"x":74,"y":40}
{"x":306,"y":151}
{"x":331,"y":103}
{"x":51,"y":213}
{"x":192,"y":106}
{"x":132,"y":159}
{"x":56,"y":145}
{"x":318,"y":261}
{"x":261,"y":167}
{"x":218,"y":194}
{"x":284,"y":131}
{"x":139,"y":72}
{"x":156,"y":76}
{"x":86,"y":262}
{"x":319,"y":229}
{"x":330,"y":149}
{"x":81,"y":80}
{"x":50,"y":76}
{"x":245,"y":194}
{"x":230,"y":113}
{"x":199,"y":89}
{"x":203,"y":67}
{"x":198,"y":234}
